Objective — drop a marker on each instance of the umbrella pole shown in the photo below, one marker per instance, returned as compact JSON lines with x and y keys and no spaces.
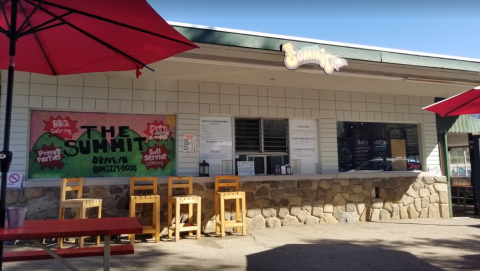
{"x":6,"y":154}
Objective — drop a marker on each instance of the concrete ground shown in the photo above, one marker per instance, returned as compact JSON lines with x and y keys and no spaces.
{"x":420,"y":244}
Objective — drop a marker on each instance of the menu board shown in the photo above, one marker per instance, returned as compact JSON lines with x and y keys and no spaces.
{"x":216,"y":142}
{"x":380,"y":148}
{"x":303,"y":144}
{"x":345,"y":154}
{"x":246,"y":168}
{"x":362,"y":151}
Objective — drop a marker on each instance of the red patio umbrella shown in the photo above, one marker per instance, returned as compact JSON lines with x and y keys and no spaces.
{"x":78,"y":36}
{"x":464,"y":103}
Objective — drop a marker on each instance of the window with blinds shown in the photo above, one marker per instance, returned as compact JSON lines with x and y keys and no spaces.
{"x":261,"y":135}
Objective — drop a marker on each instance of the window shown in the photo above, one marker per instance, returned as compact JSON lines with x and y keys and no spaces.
{"x":264,"y":141}
{"x":460,"y":162}
{"x":366,"y":146}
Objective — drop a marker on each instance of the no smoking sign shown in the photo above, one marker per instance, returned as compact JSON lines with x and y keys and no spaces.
{"x":14,"y":179}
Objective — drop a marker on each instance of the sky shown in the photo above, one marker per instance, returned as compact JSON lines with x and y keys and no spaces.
{"x":430,"y":26}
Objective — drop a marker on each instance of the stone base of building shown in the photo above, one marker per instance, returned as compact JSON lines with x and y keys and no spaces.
{"x":272,"y":204}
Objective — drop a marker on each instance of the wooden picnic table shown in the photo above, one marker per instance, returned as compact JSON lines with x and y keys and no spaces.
{"x":55,"y":228}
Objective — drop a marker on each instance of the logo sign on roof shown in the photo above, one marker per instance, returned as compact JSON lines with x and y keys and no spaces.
{"x":312,"y":54}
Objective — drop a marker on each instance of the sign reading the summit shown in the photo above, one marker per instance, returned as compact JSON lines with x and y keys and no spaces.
{"x":74,"y":144}
{"x":312,"y":54}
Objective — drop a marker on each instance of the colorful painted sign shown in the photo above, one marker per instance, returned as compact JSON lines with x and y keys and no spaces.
{"x":74,"y":144}
{"x":312,"y":54}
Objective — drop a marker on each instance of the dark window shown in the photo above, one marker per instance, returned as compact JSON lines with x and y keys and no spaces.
{"x":377,"y":146}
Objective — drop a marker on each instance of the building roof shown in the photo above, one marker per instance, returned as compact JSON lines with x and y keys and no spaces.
{"x":272,"y":42}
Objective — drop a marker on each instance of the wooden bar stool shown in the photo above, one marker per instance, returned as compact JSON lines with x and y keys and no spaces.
{"x":225,"y":182}
{"x":78,"y":203}
{"x":146,"y":183}
{"x":175,"y":183}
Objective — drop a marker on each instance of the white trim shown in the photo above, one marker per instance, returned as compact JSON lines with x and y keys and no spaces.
{"x":357,"y":46}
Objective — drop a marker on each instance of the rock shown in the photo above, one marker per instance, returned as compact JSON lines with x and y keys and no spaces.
{"x":423,"y":213}
{"x":295,"y":210}
{"x":428,"y":180}
{"x":283,"y":212}
{"x":304,"y":184}
{"x":412,"y":193}
{"x":425,"y":202}
{"x":349,"y":217}
{"x":375,"y":215}
{"x":440,"y":187}
{"x":273,"y":222}
{"x":302,"y":216}
{"x":364,"y":214}
{"x":432,"y":189}
{"x":358,"y":188}
{"x":115,"y":189}
{"x":328,"y":208}
{"x":335,"y":188}
{"x":418,"y":185}
{"x":274,"y":184}
{"x":11,"y":196}
{"x":360,"y":208}
{"x":383,"y":193}
{"x":399,"y":198}
{"x":377,"y":203}
{"x":396,"y":211}
{"x":357,"y":197}
{"x":122,"y":203}
{"x":384,"y":215}
{"x":345,"y":195}
{"x":388,"y":206}
{"x":284,"y":202}
{"x":256,"y":223}
{"x":418,"y":204}
{"x":412,"y":213}
{"x":261,"y":192}
{"x":274,"y":193}
{"x":408,"y":201}
{"x":289,"y":183}
{"x":440,"y":179}
{"x":33,"y":193}
{"x":328,"y":218}
{"x":290,"y":190}
{"x":393,"y":182}
{"x":328,"y":196}
{"x":325,"y":184}
{"x":434,"y":210}
{"x":249,"y":196}
{"x":443,"y":197}
{"x":262,"y":202}
{"x":350,"y":207}
{"x":250,"y":186}
{"x":99,"y":192}
{"x":253,"y":211}
{"x":434,"y":198}
{"x":311,"y":220}
{"x":444,"y":211}
{"x":338,"y":211}
{"x":367,"y":184}
{"x":269,"y":212}
{"x":339,"y":200}
{"x":317,"y":211}
{"x":290,"y":221}
{"x":424,"y":193}
{"x":403,"y":212}
{"x":273,"y":203}
{"x":307,"y":193}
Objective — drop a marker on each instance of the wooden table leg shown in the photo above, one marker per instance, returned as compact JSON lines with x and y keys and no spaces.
{"x":106,"y":253}
{"x":55,"y":255}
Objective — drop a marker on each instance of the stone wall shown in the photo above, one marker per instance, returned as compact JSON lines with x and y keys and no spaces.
{"x":272,"y":204}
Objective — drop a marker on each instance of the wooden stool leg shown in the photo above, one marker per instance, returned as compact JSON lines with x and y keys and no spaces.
{"x":82,"y":216}
{"x":79,"y":216}
{"x":237,"y":215}
{"x":199,"y":219}
{"x":156,"y":216}
{"x":244,"y":217}
{"x":190,"y":217}
{"x":177,"y":221}
{"x":132,"y":214}
{"x":169,"y":220}
{"x":222,"y":216}
{"x":61,"y":216}
{"x":217,"y":212}
{"x":97,"y":241}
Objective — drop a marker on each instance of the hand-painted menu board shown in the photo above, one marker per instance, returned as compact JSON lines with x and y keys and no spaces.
{"x":362,"y":151}
{"x":74,"y":144}
{"x":345,"y":154}
{"x":380,"y":148}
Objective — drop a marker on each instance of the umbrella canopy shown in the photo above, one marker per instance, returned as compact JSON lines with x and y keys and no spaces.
{"x":77,"y":36}
{"x":464,"y":103}
{"x":80,"y":36}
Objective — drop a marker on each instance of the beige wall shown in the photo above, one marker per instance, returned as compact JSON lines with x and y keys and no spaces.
{"x":190,"y":100}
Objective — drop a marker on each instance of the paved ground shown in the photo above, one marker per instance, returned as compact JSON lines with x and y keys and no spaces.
{"x":421,"y":244}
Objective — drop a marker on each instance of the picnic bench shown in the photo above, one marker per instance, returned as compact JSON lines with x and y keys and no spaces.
{"x":40,"y":229}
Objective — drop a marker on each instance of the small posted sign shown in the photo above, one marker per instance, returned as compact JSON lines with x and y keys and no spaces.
{"x":14,"y":180}
{"x":246,"y":168}
{"x":189,"y":143}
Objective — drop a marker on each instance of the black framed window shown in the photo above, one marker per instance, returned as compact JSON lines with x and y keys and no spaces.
{"x":369,"y":146}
